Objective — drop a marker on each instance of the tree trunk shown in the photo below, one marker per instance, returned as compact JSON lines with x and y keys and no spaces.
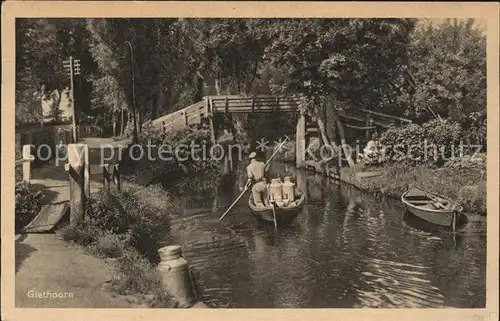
{"x":139,"y":120}
{"x":249,"y":85}
{"x":199,"y":87}
{"x":331,"y":125}
{"x":322,"y":131}
{"x":122,"y":122}
{"x":115,"y":127}
{"x":343,"y":142}
{"x":217,"y":86}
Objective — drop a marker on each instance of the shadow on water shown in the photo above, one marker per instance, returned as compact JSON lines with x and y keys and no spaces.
{"x":345,"y":249}
{"x":442,"y":232}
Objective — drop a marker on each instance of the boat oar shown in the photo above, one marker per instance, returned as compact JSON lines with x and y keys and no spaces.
{"x":234,"y":203}
{"x":277,"y":150}
{"x":247,"y":186}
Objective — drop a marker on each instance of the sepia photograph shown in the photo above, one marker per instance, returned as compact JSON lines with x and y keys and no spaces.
{"x":249,"y":162}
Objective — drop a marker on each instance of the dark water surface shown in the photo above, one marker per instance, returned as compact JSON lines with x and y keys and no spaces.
{"x":346,"y":249}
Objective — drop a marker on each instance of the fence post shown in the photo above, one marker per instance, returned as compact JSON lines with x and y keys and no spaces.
{"x":76,"y":168}
{"x":27,"y":160}
{"x":116,"y":177}
{"x":111,"y":176}
{"x":106,"y":177}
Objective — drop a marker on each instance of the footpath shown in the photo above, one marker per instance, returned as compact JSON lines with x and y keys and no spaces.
{"x":51,"y":273}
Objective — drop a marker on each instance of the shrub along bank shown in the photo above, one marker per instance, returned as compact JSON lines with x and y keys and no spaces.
{"x":448,"y":169}
{"x":28,"y":204}
{"x":127,"y":227}
{"x":184,"y":153}
{"x":467,"y":186}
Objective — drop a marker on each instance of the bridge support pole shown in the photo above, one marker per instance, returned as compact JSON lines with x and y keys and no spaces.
{"x":300,"y":141}
{"x":212,"y":130}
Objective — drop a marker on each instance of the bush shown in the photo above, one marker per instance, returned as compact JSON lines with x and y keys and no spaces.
{"x":136,"y":218}
{"x":149,"y":221}
{"x":446,"y":136}
{"x":190,"y":160}
{"x":85,"y":233}
{"x":137,"y":275}
{"x":111,"y":245}
{"x":128,"y":226}
{"x":28,"y":204}
{"x":106,"y":212}
{"x":432,"y":143}
{"x":476,"y":161}
{"x":397,"y":142}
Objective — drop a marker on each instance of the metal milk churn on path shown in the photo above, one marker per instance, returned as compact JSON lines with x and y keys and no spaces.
{"x":288,"y":189}
{"x":276,"y":190}
{"x":176,"y":279}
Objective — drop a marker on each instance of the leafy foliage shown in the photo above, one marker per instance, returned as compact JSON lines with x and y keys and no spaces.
{"x":399,"y":66}
{"x":432,"y":143}
{"x":28,"y":204}
{"x":448,"y":71}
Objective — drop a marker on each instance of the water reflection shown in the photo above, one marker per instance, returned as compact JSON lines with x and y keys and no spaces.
{"x":345,"y":249}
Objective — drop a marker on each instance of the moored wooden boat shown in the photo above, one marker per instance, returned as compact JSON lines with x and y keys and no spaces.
{"x":284,"y":215}
{"x":432,"y":208}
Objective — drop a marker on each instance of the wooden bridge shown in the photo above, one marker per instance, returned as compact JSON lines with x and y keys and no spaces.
{"x":202,"y":113}
{"x":212,"y":105}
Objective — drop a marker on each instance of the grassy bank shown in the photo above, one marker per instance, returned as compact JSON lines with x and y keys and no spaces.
{"x":125,"y":228}
{"x":465,"y":185}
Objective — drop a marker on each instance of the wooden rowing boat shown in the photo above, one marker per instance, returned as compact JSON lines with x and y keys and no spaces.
{"x":432,"y":208}
{"x":284,"y":215}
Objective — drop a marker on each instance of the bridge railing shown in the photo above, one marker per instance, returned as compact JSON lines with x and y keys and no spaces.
{"x":211,"y":105}
{"x":239,"y":104}
{"x":179,"y":119}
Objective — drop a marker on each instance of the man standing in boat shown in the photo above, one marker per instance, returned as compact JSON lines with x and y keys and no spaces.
{"x":256,"y":172}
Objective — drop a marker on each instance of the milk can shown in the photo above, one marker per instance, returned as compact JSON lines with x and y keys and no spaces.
{"x":276,"y":190}
{"x":176,"y":279}
{"x":288,"y":189}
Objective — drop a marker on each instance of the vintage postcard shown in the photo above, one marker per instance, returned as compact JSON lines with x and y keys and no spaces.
{"x":249,"y":160}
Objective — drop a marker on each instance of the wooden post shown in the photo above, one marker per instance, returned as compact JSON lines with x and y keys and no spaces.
{"x":212,"y":130}
{"x":300,"y":141}
{"x":106,"y":174}
{"x":116,"y":177}
{"x":27,"y":159}
{"x":111,"y":176}
{"x":76,"y":168}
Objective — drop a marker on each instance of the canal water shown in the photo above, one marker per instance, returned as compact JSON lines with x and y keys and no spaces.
{"x":346,"y":249}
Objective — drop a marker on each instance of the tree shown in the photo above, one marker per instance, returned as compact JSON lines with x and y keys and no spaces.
{"x":340,"y":63}
{"x":448,"y":72}
{"x":42,"y":45}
